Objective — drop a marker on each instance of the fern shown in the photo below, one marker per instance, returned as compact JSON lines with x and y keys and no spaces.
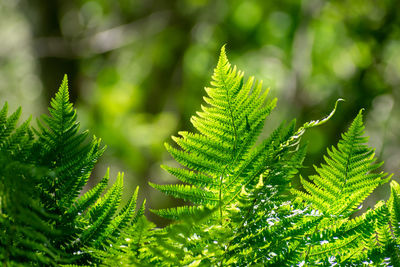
{"x":340,"y":187}
{"x":383,"y":245}
{"x":261,"y":221}
{"x":222,"y":157}
{"x":63,"y":149}
{"x":23,"y":224}
{"x":346,"y":179}
{"x":222,"y":162}
{"x":394,"y":210}
{"x":264,"y":219}
{"x":242,"y":209}
{"x":56,"y":160}
{"x":224,"y":139}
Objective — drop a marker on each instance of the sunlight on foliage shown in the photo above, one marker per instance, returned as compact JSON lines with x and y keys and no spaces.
{"x":241,"y":208}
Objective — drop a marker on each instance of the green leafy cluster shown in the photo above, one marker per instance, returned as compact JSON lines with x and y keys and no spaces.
{"x":43,"y":218}
{"x":241,"y":207}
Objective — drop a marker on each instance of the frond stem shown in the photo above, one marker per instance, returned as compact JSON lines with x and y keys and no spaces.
{"x":220,"y":197}
{"x":234,"y":146}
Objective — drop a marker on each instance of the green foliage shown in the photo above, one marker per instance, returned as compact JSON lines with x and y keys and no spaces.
{"x":341,"y":186}
{"x":43,"y":171}
{"x":24,"y":224}
{"x":346,"y":179}
{"x":241,"y":210}
{"x":228,"y":128}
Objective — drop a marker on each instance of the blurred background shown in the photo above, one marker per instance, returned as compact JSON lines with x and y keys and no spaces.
{"x":137,"y":70}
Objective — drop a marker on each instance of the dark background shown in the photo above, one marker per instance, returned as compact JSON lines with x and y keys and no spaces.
{"x":137,"y":69}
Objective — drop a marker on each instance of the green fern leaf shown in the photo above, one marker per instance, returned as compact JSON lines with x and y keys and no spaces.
{"x":121,"y":220}
{"x":90,"y":197}
{"x":346,"y":179}
{"x":24,"y":229}
{"x":228,"y":126}
{"x":9,"y":123}
{"x":91,"y":220}
{"x":101,"y":214}
{"x":220,"y":163}
{"x":341,"y":185}
{"x":64,"y":150}
{"x":394,"y":208}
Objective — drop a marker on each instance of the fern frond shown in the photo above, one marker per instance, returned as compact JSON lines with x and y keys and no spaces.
{"x":15,"y":141}
{"x":102,"y":212}
{"x":386,"y":249}
{"x":220,"y":163}
{"x":90,"y":197}
{"x":242,"y":210}
{"x":132,"y":245}
{"x":68,"y":155}
{"x":342,"y":184}
{"x":120,"y":221}
{"x":25,"y":233}
{"x":191,"y":241}
{"x":222,"y":157}
{"x":268,"y":228}
{"x":394,"y":209}
{"x":9,"y":123}
{"x":345,"y":180}
{"x":63,"y":149}
{"x":342,"y":240}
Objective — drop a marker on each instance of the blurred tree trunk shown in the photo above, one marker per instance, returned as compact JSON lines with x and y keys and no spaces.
{"x":44,"y":18}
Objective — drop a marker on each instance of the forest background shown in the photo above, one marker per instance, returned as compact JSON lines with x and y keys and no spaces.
{"x":137,"y":70}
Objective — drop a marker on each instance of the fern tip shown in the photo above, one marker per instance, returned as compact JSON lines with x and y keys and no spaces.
{"x":136,"y":192}
{"x":393,"y":183}
{"x":153,"y":185}
{"x":64,"y":83}
{"x":223,"y":48}
{"x":223,"y":59}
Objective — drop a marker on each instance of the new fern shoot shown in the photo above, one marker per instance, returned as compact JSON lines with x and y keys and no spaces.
{"x":242,"y":209}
